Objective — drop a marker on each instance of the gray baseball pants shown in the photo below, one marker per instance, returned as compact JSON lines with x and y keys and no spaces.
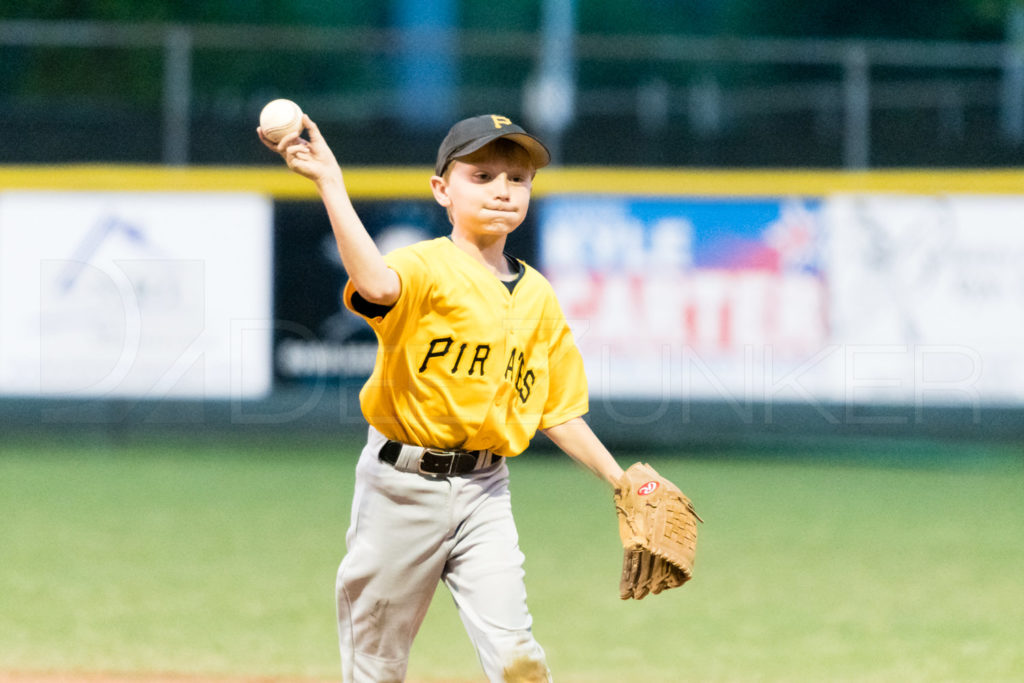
{"x":407,"y":532}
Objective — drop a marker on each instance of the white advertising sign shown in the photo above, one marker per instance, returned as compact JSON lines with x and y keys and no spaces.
{"x":135,"y":294}
{"x":929,"y":291}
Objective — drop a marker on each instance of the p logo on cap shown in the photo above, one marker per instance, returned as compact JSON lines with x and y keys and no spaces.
{"x":500,"y":121}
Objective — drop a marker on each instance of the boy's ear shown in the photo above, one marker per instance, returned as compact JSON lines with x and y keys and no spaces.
{"x":440,"y":189}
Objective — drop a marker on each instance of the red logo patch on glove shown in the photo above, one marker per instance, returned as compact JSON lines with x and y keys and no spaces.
{"x":647,"y":489}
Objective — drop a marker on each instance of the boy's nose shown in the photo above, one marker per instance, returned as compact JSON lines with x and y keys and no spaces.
{"x":501,"y":185}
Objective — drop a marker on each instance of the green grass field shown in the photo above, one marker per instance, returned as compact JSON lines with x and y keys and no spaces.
{"x":862,"y":561}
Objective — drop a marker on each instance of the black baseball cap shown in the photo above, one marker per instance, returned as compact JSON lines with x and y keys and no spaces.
{"x":469,"y":135}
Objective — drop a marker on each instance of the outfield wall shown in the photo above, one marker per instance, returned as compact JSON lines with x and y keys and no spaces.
{"x":708,"y":304}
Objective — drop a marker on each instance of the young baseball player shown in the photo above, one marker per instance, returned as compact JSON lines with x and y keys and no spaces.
{"x":474,"y":356}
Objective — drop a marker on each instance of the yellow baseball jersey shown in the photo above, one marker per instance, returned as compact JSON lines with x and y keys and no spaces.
{"x":462,"y":362}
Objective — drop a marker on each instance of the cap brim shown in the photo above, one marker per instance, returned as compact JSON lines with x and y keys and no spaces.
{"x":539,"y":154}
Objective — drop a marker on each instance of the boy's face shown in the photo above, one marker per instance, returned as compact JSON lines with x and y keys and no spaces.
{"x":487,"y":192}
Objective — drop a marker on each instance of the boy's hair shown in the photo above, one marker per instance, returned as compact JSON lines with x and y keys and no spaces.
{"x":504,"y":148}
{"x":469,"y":135}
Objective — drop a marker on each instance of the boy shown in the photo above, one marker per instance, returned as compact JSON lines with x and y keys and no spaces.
{"x":474,"y":356}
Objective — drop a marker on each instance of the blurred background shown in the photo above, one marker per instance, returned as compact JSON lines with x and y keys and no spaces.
{"x":652,"y":83}
{"x":760,"y":215}
{"x":761,"y":212}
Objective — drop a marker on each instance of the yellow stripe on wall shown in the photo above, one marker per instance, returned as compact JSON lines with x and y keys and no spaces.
{"x":371,"y":182}
{"x":691,"y":182}
{"x":278,"y":182}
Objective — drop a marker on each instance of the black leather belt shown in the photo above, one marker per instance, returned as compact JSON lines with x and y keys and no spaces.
{"x":442,"y":463}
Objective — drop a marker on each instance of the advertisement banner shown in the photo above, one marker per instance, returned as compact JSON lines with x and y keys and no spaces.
{"x":687,"y":298}
{"x":867,"y":299}
{"x":143,"y":295}
{"x":929,"y":292}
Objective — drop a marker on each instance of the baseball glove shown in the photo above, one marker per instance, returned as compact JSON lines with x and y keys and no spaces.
{"x":658,"y":528}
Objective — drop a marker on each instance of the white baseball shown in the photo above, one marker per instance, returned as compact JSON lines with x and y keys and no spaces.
{"x":279,"y":118}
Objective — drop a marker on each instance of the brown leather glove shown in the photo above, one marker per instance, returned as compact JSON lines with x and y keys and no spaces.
{"x":658,"y":528}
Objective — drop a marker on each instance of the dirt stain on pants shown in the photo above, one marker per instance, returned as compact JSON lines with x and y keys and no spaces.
{"x":526,"y":671}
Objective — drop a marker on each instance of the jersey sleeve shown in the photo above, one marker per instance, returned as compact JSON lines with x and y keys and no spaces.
{"x":411,"y":270}
{"x":567,"y":388}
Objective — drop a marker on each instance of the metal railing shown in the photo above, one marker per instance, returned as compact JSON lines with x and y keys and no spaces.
{"x":850,"y":98}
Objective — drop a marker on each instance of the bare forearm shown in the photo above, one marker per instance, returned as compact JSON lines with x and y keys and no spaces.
{"x":577,"y":440}
{"x":363,"y":261}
